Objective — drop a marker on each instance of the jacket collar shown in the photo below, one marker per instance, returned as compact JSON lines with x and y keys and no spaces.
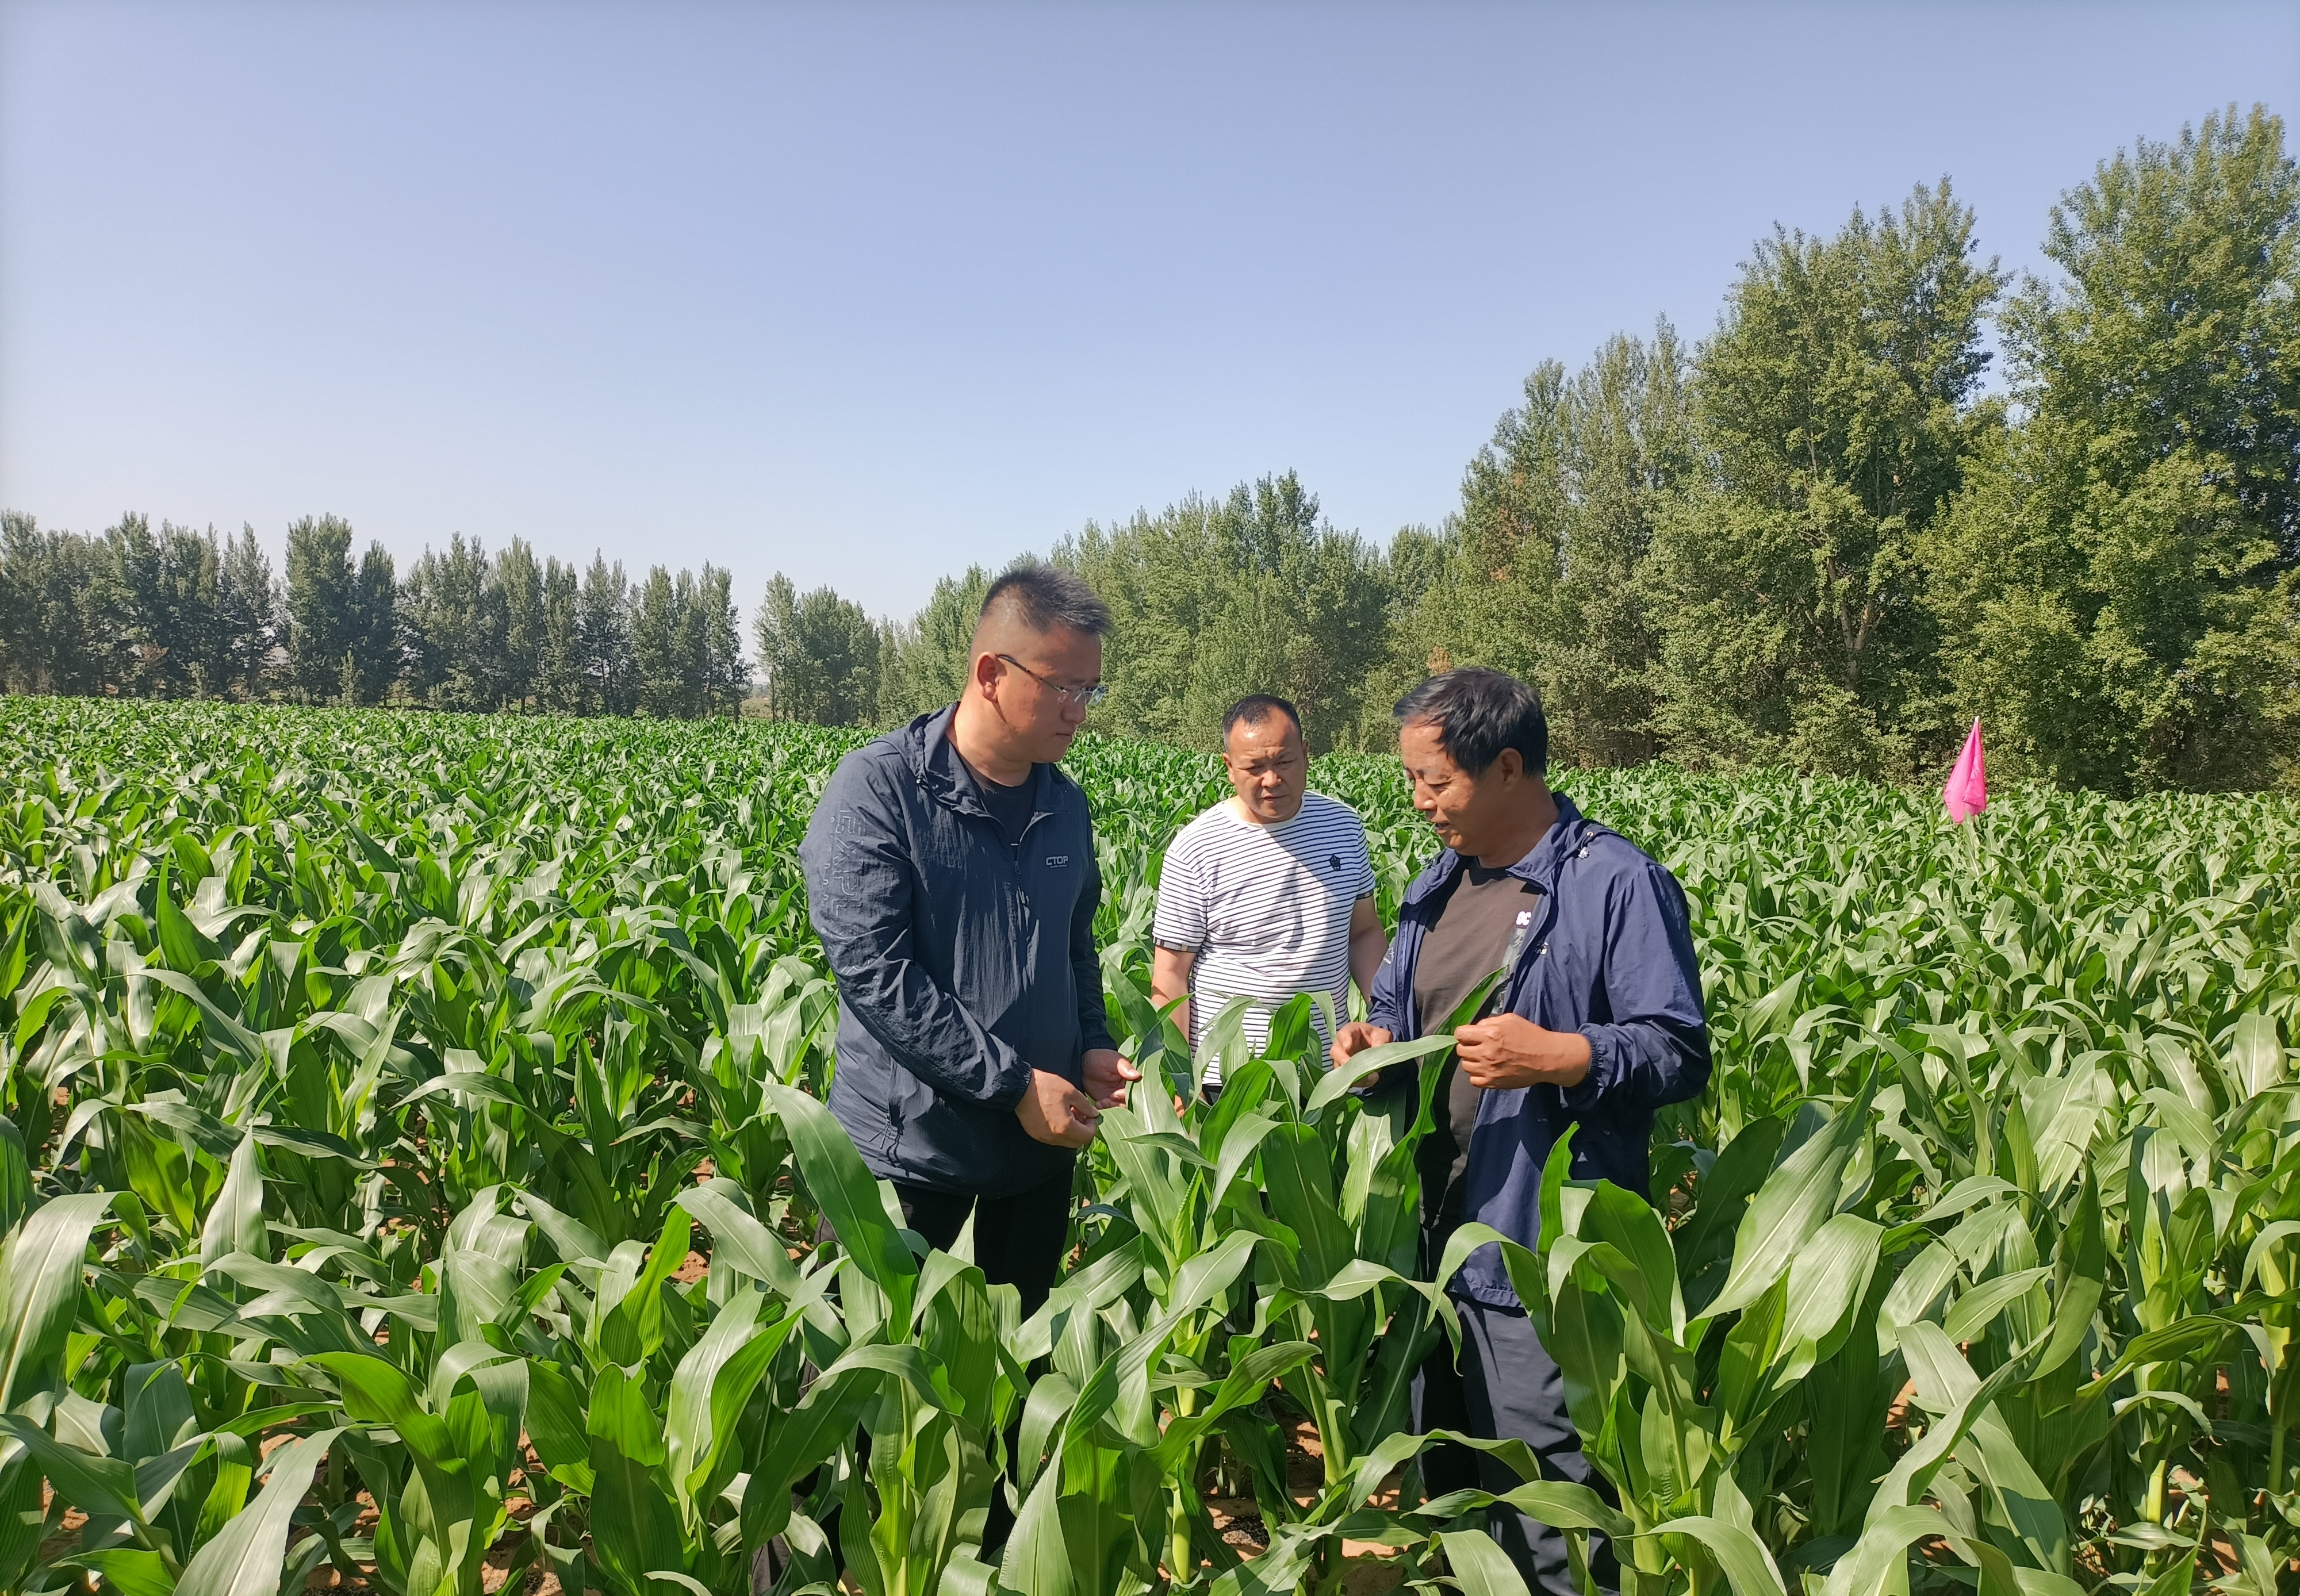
{"x":926,"y":747}
{"x":1539,"y":866}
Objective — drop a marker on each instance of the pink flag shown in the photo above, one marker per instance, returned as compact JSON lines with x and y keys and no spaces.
{"x":1967,"y":791}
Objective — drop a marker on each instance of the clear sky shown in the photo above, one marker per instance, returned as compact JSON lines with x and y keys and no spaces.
{"x":865,"y":292}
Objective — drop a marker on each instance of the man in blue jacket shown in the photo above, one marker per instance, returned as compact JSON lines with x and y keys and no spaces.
{"x":1596,"y":1023}
{"x":950,"y":873}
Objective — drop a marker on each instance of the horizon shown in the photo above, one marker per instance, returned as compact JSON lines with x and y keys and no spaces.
{"x":870,"y":295}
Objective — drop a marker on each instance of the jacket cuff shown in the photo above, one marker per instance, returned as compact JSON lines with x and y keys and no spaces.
{"x":1604,"y":1068}
{"x":1014,"y":1082}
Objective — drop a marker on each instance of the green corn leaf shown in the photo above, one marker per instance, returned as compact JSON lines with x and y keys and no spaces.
{"x":1479,"y":1567}
{"x":555,"y":1426}
{"x":713,"y":1383}
{"x":1038,"y":1558}
{"x":1248,"y":1379}
{"x":1558,"y":1502}
{"x":847,"y":1195}
{"x":1747,"y":1566}
{"x":575,"y":1241}
{"x":222,"y":1028}
{"x":40,"y":1266}
{"x":1828,"y":1279}
{"x":1298,"y":1177}
{"x":246,"y":1555}
{"x":634,"y":1522}
{"x":2020,"y":1498}
{"x":633,"y":1328}
{"x":1369,"y":1061}
{"x":1096,"y":1286}
{"x":1876,"y":1563}
{"x":99,"y":1486}
{"x":1974,"y":1313}
{"x":2257,"y":1053}
{"x":1791,"y":1207}
{"x":126,"y":1570}
{"x":234,"y":1224}
{"x":15,"y":1177}
{"x":739,"y":1238}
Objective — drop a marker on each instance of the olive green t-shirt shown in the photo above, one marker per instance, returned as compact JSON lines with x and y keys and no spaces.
{"x":1464,"y":945}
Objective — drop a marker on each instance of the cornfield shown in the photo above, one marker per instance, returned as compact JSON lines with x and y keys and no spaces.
{"x":412,"y":1158}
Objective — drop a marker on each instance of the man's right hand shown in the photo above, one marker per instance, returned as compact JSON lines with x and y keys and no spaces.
{"x":1356,"y":1037}
{"x":1055,"y":1112}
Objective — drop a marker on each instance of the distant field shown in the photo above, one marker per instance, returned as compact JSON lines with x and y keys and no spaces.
{"x":438,"y":1090}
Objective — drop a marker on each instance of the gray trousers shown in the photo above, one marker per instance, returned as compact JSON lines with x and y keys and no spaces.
{"x":1506,"y":1386}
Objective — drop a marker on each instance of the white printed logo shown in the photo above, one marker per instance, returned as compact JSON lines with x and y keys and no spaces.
{"x":1525,"y":917}
{"x":1057,"y":861}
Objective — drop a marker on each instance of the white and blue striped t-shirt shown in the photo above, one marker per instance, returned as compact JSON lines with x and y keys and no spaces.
{"x":1266,"y":910}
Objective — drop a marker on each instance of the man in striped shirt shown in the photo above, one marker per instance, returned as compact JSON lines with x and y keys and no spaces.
{"x":1266,"y":895}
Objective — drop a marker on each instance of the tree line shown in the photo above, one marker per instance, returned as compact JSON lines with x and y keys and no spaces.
{"x":1814,"y":537}
{"x":178,"y":613}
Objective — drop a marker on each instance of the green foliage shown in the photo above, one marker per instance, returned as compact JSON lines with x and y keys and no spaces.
{"x":455,"y":610}
{"x":1837,"y":401}
{"x":924,"y":660}
{"x":342,"y":621}
{"x":2121,"y":584}
{"x":1556,"y":524}
{"x":180,"y":614}
{"x":819,"y":655}
{"x":1213,"y":599}
{"x":358,"y":1071}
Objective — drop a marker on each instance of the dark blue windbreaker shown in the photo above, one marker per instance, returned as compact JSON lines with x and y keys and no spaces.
{"x":1611,"y":956}
{"x":964,"y":963}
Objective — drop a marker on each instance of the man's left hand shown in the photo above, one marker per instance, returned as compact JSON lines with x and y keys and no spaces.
{"x":1106,"y":1074}
{"x":1510,"y":1050}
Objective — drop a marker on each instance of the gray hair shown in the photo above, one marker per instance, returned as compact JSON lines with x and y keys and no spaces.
{"x":1046,"y":598}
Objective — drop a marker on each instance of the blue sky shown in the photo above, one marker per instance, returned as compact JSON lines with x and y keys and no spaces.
{"x":865,"y":292}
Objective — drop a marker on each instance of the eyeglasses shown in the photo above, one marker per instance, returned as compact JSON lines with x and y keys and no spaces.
{"x":1090,"y":696}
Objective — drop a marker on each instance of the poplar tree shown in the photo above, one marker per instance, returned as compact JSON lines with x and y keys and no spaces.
{"x":247,"y":616}
{"x":604,"y":624}
{"x":1543,"y":573}
{"x":726,"y":673}
{"x":558,"y":676}
{"x":520,"y":581}
{"x":321,"y":611}
{"x":374,"y":657}
{"x":820,"y":655}
{"x":659,"y":683}
{"x":54,"y":626}
{"x":1215,"y":598}
{"x":455,"y":628}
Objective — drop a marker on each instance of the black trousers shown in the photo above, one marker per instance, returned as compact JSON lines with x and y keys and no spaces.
{"x":1506,"y":1386}
{"x":1018,"y":1241}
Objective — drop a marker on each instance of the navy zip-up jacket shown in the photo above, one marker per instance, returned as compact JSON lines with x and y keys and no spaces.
{"x":1611,"y":956}
{"x":964,"y":962}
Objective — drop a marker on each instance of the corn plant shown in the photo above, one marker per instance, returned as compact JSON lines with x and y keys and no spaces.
{"x":411,"y":1160}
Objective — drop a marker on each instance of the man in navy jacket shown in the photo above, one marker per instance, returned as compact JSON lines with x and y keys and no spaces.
{"x":1596,"y":1022}
{"x":950,"y":873}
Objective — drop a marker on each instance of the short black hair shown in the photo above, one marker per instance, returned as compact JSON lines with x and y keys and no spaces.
{"x":1047,"y":597}
{"x":1255,"y":708}
{"x":1476,"y":713}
